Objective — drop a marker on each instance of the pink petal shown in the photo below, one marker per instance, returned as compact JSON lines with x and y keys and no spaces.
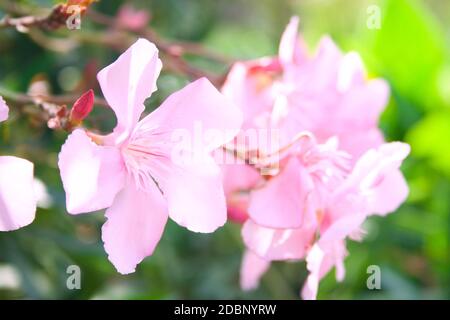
{"x":238,"y":179}
{"x":195,"y":196}
{"x":324,"y":66}
{"x":389,"y":194}
{"x":277,"y":244}
{"x":135,"y":224}
{"x":340,"y":229}
{"x":252,"y":269}
{"x":351,"y":72}
{"x":237,"y":207}
{"x":281,"y":203}
{"x":92,"y":175}
{"x":357,"y":142}
{"x":203,"y":112}
{"x":3,"y":110}
{"x":314,"y":264}
{"x":319,"y":262}
{"x":128,"y":81}
{"x":376,"y":177}
{"x":362,"y":106}
{"x":291,"y":48}
{"x":247,"y":89}
{"x":330,"y":251}
{"x":17,"y":198}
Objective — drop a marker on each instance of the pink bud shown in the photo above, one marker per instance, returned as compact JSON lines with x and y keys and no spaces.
{"x":132,"y":18}
{"x":82,"y":107}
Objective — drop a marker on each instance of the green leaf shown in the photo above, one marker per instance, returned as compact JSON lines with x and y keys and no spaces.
{"x":409,"y":50}
{"x":429,"y":139}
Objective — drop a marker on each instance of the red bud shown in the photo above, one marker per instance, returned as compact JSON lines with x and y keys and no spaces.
{"x":82,"y":107}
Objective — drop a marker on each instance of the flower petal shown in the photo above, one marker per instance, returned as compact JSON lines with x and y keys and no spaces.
{"x":340,"y":229}
{"x":247,"y":89}
{"x":376,"y":177}
{"x":238,"y":179}
{"x":135,"y":224}
{"x":291,"y":48}
{"x":314,"y":263}
{"x":209,"y":118}
{"x":92,"y":175}
{"x":277,"y":244}
{"x":3,"y":110}
{"x":362,"y":105}
{"x":128,"y":81}
{"x":17,"y":198}
{"x":319,"y":262}
{"x":389,"y":194}
{"x":252,"y":269}
{"x":323,"y":72}
{"x":281,"y":202}
{"x":195,"y":196}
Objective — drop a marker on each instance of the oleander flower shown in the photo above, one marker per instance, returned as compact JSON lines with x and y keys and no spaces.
{"x":314,"y":210}
{"x":327,"y":94}
{"x":333,"y":167}
{"x":133,"y":173}
{"x":17,"y":198}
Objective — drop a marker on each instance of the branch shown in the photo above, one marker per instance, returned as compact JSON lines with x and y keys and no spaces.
{"x":173,"y":51}
{"x":170,"y":47}
{"x":54,"y":20}
{"x":53,"y":108}
{"x":21,"y":98}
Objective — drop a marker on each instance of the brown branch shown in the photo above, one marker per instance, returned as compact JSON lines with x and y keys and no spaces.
{"x":54,"y":20}
{"x":173,"y":51}
{"x":169,"y":47}
{"x":52,"y":109}
{"x":22,"y":98}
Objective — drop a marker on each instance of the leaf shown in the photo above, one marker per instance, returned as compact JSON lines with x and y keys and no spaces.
{"x":408,"y":49}
{"x":429,"y":139}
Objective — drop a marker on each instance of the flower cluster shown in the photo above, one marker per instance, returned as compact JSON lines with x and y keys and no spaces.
{"x":333,"y":167}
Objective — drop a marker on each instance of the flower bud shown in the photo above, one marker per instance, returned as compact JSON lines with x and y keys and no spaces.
{"x":82,"y":107}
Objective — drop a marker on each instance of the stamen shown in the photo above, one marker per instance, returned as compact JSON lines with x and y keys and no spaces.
{"x":147,"y":158}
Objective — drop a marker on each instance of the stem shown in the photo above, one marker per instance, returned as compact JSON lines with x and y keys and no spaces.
{"x":54,"y":20}
{"x":173,"y":50}
{"x":21,"y":98}
{"x":169,"y":47}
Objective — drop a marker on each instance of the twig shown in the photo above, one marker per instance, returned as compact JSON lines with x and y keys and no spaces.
{"x":22,"y":98}
{"x":54,"y":20}
{"x":169,"y":47}
{"x":172,"y":50}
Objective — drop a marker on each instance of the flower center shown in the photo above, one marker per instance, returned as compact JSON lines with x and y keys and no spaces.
{"x":146,"y":159}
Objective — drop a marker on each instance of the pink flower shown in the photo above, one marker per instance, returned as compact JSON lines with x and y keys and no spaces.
{"x":132,"y":171}
{"x":131,"y":18}
{"x":334,"y":169}
{"x":336,"y":209}
{"x":327,"y":94}
{"x":375,"y":186}
{"x":17,"y":199}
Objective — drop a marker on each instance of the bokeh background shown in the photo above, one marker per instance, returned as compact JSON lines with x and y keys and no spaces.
{"x":411,"y":51}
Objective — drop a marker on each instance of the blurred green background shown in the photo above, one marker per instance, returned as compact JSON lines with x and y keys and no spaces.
{"x":410,"y":50}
